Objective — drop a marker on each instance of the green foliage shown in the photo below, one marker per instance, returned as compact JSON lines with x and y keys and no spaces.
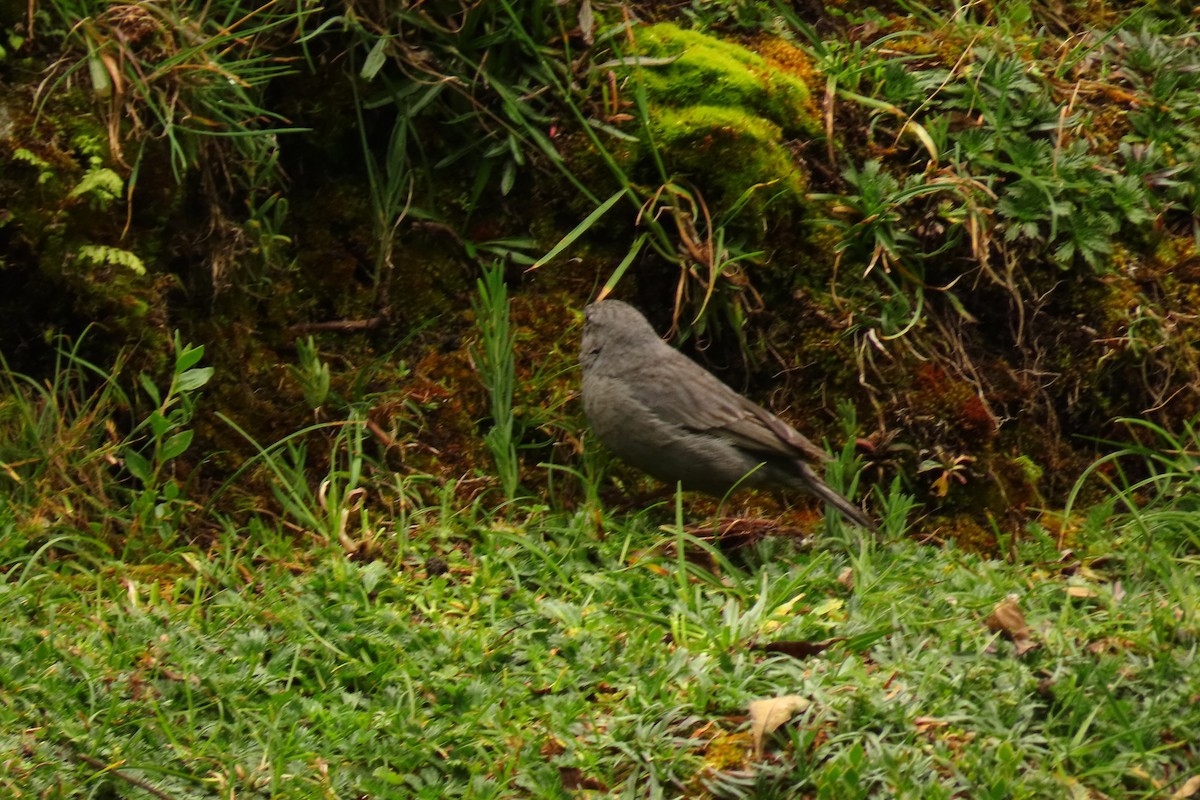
{"x":1151,"y":487}
{"x":312,"y":373}
{"x":1013,"y":169}
{"x":66,"y":458}
{"x":100,"y":185}
{"x":482,"y":67}
{"x":45,"y":172}
{"x":495,"y":361}
{"x":542,"y":657}
{"x":54,"y":446}
{"x":102,"y":255}
{"x":194,"y":75}
{"x":384,"y":635}
{"x":871,"y":223}
{"x":752,"y":16}
{"x":265,"y":225}
{"x":151,"y":449}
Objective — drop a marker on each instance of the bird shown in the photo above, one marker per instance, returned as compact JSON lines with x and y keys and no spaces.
{"x":661,"y":412}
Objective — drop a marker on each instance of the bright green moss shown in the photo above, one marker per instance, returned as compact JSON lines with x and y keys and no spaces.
{"x":709,"y":71}
{"x":721,"y":117}
{"x":733,"y":152}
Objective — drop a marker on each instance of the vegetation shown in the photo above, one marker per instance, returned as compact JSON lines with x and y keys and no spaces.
{"x":532,"y":651}
{"x":297,"y":496}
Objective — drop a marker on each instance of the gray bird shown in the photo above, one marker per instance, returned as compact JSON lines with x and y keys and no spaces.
{"x":666,"y":415}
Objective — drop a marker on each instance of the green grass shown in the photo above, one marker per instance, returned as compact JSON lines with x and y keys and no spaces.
{"x":533,"y":649}
{"x":479,"y":658}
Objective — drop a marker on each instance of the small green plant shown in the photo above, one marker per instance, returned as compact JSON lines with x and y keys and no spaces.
{"x":57,"y":441}
{"x":1153,"y":486}
{"x":46,"y":172}
{"x":496,"y":363}
{"x":844,"y":472}
{"x":312,"y":373}
{"x":103,"y":255}
{"x":264,"y":224}
{"x":154,"y":444}
{"x":325,"y":508}
{"x":874,"y":221}
{"x":391,"y":182}
{"x":873,"y":231}
{"x":100,"y":185}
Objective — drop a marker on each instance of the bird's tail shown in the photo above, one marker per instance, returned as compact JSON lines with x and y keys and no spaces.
{"x":813,"y":483}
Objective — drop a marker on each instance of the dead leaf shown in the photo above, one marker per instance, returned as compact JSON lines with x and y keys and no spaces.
{"x":574,"y":780}
{"x":1118,"y":592}
{"x":846,"y":578}
{"x":767,"y":715}
{"x":1007,"y":618}
{"x":800,"y":649}
{"x":1142,"y":775}
{"x":587,"y":22}
{"x":1189,"y":788}
{"x":927,"y":723}
{"x":1081,"y":591}
{"x":1110,"y":644}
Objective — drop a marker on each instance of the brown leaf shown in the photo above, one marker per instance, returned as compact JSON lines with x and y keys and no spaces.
{"x":800,"y":649}
{"x":846,"y":578}
{"x":1189,"y":789}
{"x":573,"y":780}
{"x":1080,"y":591}
{"x":767,"y":715}
{"x":1007,"y":618}
{"x":1110,"y":644}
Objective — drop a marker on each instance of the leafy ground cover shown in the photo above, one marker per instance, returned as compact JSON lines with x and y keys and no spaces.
{"x":536,"y":653}
{"x":537,"y":649}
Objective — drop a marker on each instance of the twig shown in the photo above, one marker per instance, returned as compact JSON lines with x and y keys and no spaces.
{"x":100,"y":765}
{"x":338,"y":325}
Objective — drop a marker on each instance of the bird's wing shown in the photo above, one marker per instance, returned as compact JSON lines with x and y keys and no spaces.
{"x":699,"y":401}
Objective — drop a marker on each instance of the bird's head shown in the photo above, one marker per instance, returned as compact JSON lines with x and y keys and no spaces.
{"x":615,"y":330}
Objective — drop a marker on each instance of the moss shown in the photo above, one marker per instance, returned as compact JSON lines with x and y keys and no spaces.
{"x":710,"y":72}
{"x":965,"y":532}
{"x":721,"y":117}
{"x":69,"y":261}
{"x":735,"y":155}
